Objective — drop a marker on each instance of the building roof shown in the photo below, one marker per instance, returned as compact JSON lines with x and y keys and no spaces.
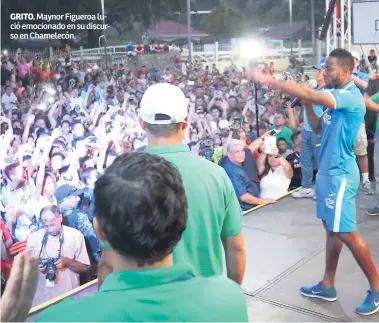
{"x":172,"y":29}
{"x":283,"y":30}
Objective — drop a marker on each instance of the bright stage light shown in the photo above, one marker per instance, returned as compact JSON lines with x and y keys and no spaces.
{"x":251,"y":49}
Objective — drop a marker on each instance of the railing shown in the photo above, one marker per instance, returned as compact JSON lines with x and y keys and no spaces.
{"x":205,"y":52}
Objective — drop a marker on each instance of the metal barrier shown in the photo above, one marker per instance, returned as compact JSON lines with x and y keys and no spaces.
{"x":211,"y":53}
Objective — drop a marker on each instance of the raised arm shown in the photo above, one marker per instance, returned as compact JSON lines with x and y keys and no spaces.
{"x":300,"y":91}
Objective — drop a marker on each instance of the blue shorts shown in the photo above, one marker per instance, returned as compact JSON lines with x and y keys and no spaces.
{"x":335,"y":200}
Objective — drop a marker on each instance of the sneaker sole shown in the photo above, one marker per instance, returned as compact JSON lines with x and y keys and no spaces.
{"x":320,"y":297}
{"x":370,"y":313}
{"x":372,"y":214}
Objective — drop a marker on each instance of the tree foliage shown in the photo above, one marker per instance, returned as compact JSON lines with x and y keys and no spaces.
{"x":124,"y":12}
{"x":223,"y":22}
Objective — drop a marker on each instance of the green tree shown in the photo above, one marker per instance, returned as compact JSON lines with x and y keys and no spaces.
{"x":123,"y":12}
{"x":224,"y":21}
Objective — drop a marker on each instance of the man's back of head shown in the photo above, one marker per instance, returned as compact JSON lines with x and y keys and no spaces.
{"x":164,"y":112}
{"x":140,"y":207}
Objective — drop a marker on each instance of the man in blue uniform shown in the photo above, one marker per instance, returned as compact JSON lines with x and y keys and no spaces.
{"x":338,"y":177}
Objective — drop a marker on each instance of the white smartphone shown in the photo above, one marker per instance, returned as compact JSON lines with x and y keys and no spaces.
{"x":270,"y":143}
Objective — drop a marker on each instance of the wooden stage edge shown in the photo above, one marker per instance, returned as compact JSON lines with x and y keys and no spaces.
{"x":61,"y":297}
{"x":278,"y":198}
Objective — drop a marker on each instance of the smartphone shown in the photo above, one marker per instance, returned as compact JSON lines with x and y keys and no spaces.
{"x":272,"y":132}
{"x":270,"y":143}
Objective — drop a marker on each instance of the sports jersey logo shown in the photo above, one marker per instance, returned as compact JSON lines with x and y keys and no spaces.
{"x":330,"y":202}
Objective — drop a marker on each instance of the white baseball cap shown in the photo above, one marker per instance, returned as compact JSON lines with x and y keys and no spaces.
{"x":355,"y":55}
{"x":164,"y":99}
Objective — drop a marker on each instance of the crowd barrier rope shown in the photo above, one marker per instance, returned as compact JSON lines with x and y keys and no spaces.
{"x":278,"y":198}
{"x":59,"y":298}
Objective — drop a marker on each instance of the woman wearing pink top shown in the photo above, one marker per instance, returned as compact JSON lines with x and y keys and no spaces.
{"x":22,"y":69}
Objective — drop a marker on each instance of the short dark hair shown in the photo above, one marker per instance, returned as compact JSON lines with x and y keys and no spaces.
{"x":141,"y":206}
{"x":295,"y":135}
{"x":343,"y":57}
{"x":215,"y":107}
{"x":163,"y":130}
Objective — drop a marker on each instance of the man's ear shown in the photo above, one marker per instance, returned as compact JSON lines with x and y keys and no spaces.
{"x":96,"y":226}
{"x":185,"y":123}
{"x":142,"y":123}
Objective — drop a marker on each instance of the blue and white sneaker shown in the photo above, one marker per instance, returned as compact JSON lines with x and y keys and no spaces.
{"x":370,"y":305}
{"x":317,"y":291}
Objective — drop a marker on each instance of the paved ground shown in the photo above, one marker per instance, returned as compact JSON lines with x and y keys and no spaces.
{"x":285,"y":250}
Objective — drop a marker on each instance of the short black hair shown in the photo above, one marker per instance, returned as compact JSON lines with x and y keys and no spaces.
{"x":215,"y":107}
{"x":141,"y":206}
{"x":282,"y":139}
{"x":295,"y":135}
{"x":343,"y":57}
{"x":163,"y":130}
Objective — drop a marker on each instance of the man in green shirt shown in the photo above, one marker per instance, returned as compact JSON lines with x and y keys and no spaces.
{"x":140,"y":215}
{"x":282,"y":131}
{"x":375,"y":98}
{"x":215,"y":216}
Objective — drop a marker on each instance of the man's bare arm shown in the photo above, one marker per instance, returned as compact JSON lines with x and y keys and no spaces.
{"x":235,"y":257}
{"x":300,"y":91}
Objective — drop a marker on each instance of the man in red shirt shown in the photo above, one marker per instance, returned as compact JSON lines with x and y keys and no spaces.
{"x":271,"y":69}
{"x":6,"y":242}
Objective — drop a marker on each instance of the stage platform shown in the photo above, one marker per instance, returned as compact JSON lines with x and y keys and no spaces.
{"x":285,"y":245}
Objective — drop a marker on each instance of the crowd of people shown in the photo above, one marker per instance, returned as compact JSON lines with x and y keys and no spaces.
{"x":67,"y":128}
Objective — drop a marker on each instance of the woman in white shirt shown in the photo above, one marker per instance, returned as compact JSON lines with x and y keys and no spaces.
{"x":276,"y":173}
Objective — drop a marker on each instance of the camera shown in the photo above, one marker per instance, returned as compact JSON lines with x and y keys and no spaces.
{"x":235,"y":125}
{"x":206,"y":148}
{"x":49,"y":263}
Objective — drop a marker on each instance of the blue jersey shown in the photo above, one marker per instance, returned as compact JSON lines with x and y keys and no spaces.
{"x":339,"y":131}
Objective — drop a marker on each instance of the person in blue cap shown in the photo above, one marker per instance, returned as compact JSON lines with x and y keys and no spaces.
{"x":68,"y":198}
{"x":310,"y":143}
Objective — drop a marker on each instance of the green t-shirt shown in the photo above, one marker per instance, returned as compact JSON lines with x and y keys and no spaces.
{"x":375,"y":98}
{"x":218,"y":153}
{"x":165,"y":294}
{"x":213,"y":209}
{"x":285,"y":133}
